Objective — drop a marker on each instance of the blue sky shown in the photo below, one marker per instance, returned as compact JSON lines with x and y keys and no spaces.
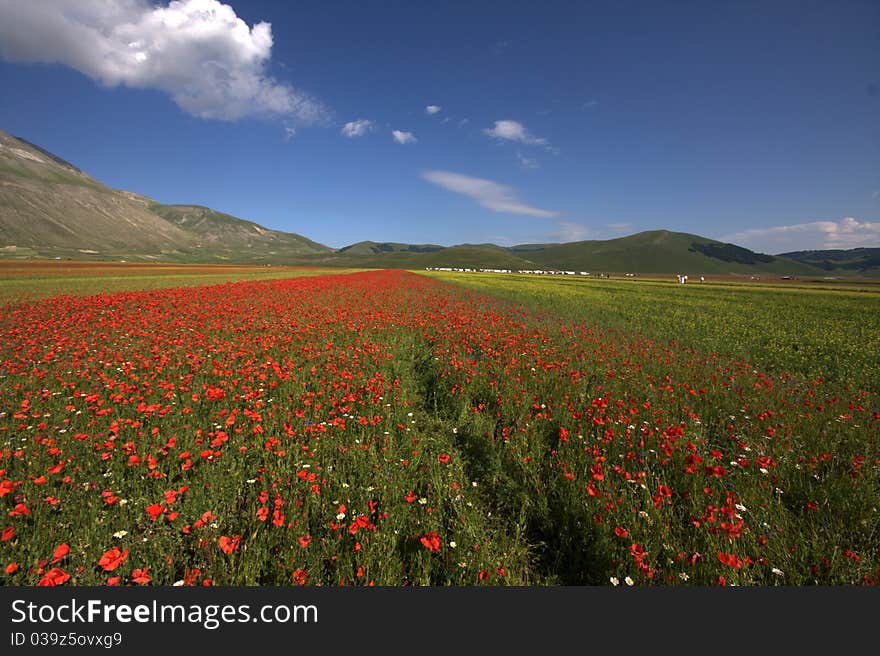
{"x":757,"y":123}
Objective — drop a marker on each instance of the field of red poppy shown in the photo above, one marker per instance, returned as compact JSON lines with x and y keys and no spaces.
{"x":392,"y":429}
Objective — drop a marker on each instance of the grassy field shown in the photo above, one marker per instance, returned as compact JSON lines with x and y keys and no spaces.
{"x":23,"y":280}
{"x":813,"y":329}
{"x":395,"y":429}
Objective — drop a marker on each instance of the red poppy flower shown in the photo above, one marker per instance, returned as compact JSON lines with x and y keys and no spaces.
{"x":60,"y":552}
{"x":112,"y":559}
{"x":7,"y":534}
{"x":155,"y":510}
{"x":731,"y":560}
{"x":11,"y":568}
{"x":431,"y":542}
{"x":55,"y":576}
{"x":140,"y":576}
{"x":620,"y":532}
{"x":228,"y":545}
{"x":443,"y":458}
{"x":299,"y":576}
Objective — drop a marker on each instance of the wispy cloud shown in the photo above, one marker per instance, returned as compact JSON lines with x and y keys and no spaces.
{"x":357,"y":128}
{"x":567,"y":231}
{"x":816,"y":235}
{"x":491,"y":195}
{"x":590,"y":104}
{"x":433,"y":109}
{"x":526,"y":162}
{"x":199,"y":52}
{"x":514,"y":131}
{"x":403,"y":137}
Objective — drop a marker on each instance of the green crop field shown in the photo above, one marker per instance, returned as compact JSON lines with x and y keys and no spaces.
{"x":814,"y":330}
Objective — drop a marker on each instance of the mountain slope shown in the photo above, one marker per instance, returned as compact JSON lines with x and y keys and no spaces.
{"x":860,"y":261}
{"x":374,"y":248}
{"x":219,"y":235}
{"x":50,"y":208}
{"x":659,"y":251}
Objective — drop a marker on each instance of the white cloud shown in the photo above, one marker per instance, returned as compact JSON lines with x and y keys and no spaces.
{"x":357,"y":128}
{"x":403,"y":137}
{"x":433,"y":109}
{"x":489,"y":194}
{"x":568,"y":231}
{"x":199,"y":52}
{"x":817,"y":235}
{"x":514,"y":131}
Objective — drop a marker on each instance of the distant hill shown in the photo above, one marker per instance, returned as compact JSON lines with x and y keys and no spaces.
{"x":452,"y":256}
{"x":659,"y":251}
{"x":374,"y":248}
{"x":854,"y":261}
{"x":51,"y":208}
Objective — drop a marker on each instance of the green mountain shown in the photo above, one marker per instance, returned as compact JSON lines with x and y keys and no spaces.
{"x":854,"y":261}
{"x":659,"y":251}
{"x":50,"y":208}
{"x":374,"y":248}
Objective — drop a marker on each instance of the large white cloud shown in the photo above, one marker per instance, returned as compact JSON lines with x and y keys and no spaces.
{"x":491,"y":195}
{"x":514,"y":131}
{"x":197,"y":51}
{"x":816,"y":235}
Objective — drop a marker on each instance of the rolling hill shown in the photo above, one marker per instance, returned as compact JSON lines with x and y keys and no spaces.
{"x":854,"y":261}
{"x":374,"y":248}
{"x":51,"y":208}
{"x":659,"y":251}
